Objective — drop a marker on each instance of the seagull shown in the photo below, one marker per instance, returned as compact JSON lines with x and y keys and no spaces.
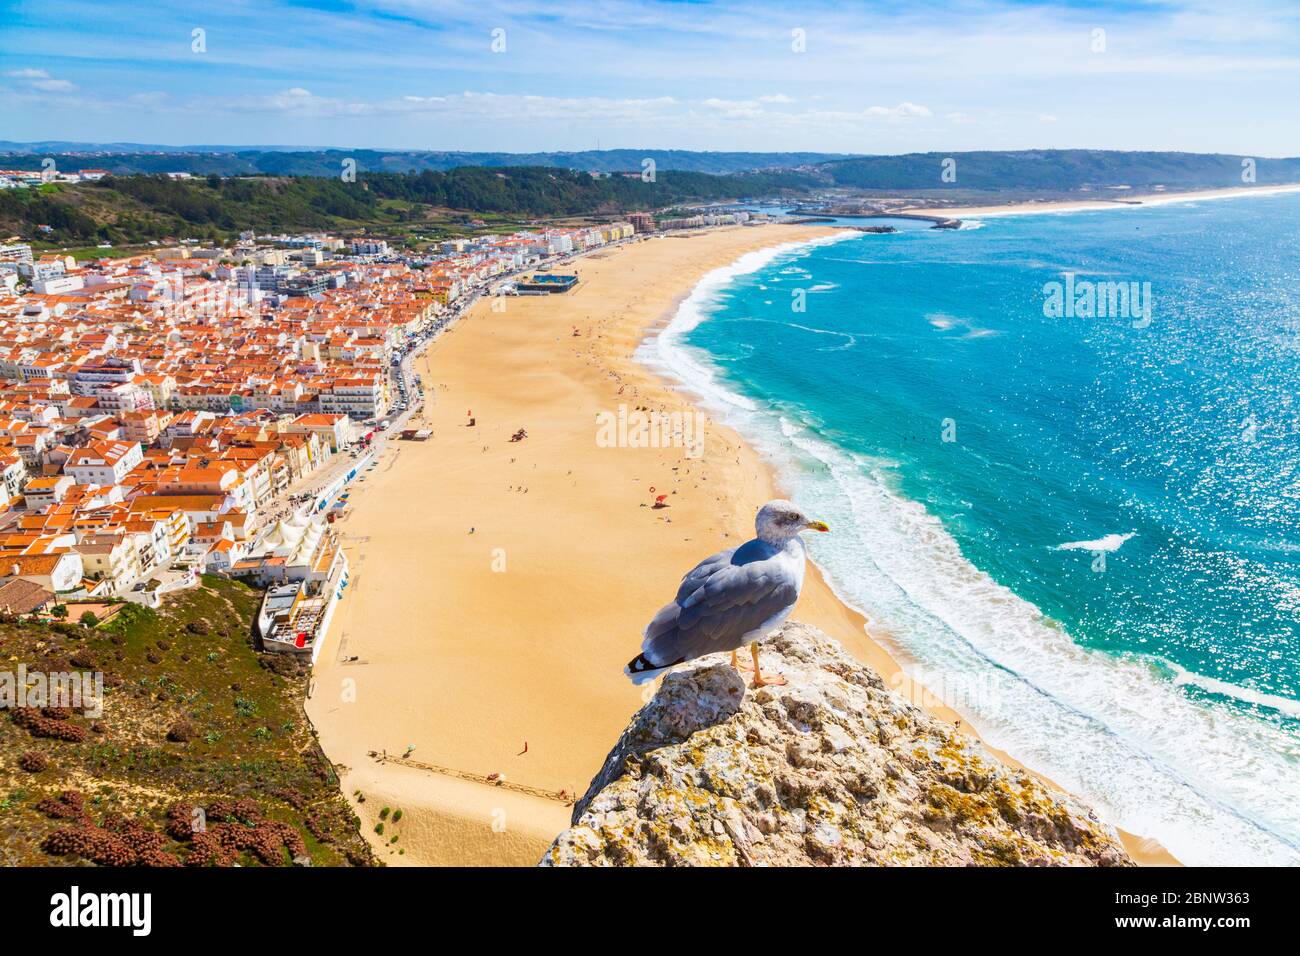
{"x":738,"y":596}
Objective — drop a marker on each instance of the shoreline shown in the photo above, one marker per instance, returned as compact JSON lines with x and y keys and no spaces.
{"x":501,"y":664}
{"x":839,"y":617}
{"x":1135,"y":201}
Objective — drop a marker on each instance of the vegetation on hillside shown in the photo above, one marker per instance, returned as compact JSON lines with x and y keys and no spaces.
{"x":141,"y":208}
{"x":202,"y":755}
{"x":542,"y":191}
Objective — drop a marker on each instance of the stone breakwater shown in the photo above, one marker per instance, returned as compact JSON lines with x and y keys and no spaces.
{"x":833,"y":769}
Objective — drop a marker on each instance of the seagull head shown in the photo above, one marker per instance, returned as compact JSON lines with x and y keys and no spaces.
{"x":779,"y":521}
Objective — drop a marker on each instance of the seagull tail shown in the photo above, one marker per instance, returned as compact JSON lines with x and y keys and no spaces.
{"x":642,"y":670}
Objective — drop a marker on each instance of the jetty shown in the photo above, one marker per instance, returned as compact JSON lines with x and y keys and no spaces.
{"x":820,"y":215}
{"x":939,"y":222}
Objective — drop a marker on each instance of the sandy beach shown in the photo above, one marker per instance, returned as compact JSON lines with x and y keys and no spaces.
{"x":499,"y":587}
{"x":1118,"y":199}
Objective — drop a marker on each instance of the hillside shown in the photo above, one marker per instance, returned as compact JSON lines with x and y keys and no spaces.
{"x":832,"y":770}
{"x":196,"y":726}
{"x":140,"y":208}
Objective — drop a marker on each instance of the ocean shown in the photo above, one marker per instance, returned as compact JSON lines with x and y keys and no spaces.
{"x":1076,"y":525}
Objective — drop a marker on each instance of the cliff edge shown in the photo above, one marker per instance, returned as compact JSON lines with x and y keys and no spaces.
{"x":832,"y":769}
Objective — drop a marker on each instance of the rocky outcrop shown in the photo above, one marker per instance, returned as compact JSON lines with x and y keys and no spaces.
{"x":832,"y":769}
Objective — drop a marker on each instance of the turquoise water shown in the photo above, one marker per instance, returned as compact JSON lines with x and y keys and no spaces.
{"x":956,"y":438}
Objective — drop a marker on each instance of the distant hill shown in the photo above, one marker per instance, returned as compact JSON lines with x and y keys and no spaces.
{"x":124,"y":158}
{"x":1053,"y":170}
{"x":47,"y":146}
{"x":1059,"y":170}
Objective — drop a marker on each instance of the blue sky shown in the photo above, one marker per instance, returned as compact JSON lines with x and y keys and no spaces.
{"x":1200,"y":75}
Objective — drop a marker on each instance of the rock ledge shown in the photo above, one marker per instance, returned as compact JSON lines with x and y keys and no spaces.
{"x":833,"y":769}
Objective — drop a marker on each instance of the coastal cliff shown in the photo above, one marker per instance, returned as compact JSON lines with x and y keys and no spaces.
{"x":832,"y":769}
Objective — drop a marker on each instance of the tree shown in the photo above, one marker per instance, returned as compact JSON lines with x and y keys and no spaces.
{"x":60,"y":611}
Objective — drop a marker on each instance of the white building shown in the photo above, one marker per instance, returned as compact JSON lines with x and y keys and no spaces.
{"x":103,"y":463}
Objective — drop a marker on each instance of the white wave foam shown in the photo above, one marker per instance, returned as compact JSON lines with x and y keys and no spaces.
{"x":1246,"y":695}
{"x":851,"y":340}
{"x":665,"y":350}
{"x":1212,"y":783}
{"x":1108,"y":543}
{"x":948,"y":323}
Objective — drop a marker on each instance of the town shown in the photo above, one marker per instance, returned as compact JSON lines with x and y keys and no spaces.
{"x":205,"y":410}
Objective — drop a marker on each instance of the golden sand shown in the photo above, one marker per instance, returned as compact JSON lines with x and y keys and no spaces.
{"x":499,"y":587}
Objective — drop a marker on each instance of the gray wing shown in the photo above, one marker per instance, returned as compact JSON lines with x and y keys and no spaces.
{"x":701,"y":573}
{"x":720,"y":601}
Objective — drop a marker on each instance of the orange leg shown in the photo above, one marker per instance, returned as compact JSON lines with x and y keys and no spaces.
{"x":761,"y":679}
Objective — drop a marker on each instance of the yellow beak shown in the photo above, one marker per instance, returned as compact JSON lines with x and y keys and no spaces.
{"x":817,"y":526}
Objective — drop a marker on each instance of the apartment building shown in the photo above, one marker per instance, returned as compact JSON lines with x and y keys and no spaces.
{"x":103,"y":462}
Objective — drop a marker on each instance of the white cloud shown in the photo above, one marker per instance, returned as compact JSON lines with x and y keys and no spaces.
{"x":714,"y":103}
{"x":901,"y":111}
{"x":42,"y":81}
{"x":1195,"y":74}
